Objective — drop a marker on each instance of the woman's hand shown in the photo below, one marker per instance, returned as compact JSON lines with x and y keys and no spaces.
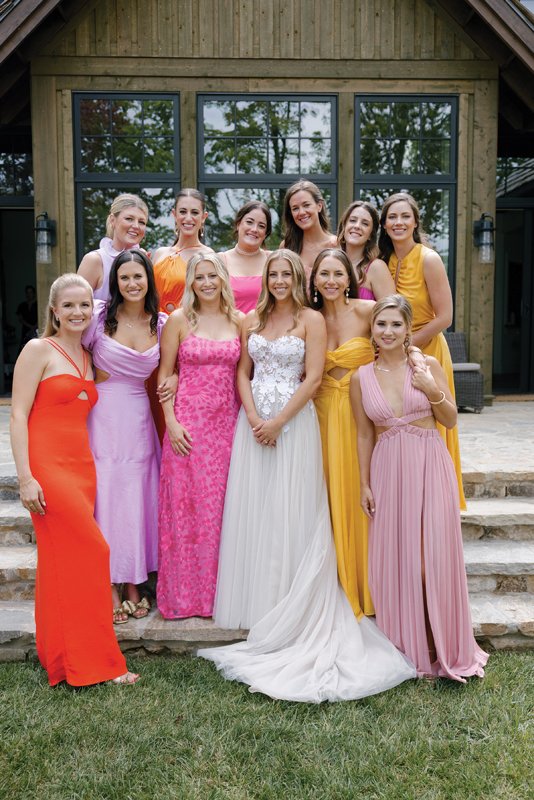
{"x":416,"y":357}
{"x":423,"y":380}
{"x":367,"y":502}
{"x":180,"y":439}
{"x":167,"y":388}
{"x":32,"y":496}
{"x":267,"y":432}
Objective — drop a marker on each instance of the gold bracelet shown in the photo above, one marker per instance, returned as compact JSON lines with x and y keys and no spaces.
{"x":438,"y":402}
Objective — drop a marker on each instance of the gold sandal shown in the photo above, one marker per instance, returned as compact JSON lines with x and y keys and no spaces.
{"x":128,"y":679}
{"x":117,"y":612}
{"x":136,"y":610}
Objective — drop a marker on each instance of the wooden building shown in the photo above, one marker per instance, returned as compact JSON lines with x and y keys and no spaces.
{"x":241,"y":97}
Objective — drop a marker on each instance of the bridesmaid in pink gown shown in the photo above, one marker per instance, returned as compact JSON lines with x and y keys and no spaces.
{"x":124,"y":340}
{"x":409,"y":492}
{"x":357,"y":234}
{"x":202,"y":339}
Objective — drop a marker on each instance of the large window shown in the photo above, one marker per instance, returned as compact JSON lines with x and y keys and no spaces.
{"x":16,"y":171}
{"x":125,"y":143}
{"x":408,"y":142}
{"x":255,"y":146}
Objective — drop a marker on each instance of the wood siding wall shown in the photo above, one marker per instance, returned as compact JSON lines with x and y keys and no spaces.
{"x":264,"y":29}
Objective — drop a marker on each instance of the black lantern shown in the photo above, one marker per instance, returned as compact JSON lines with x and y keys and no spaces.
{"x":483,"y":230}
{"x":45,"y":238}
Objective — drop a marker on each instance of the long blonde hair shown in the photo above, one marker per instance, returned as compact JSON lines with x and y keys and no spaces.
{"x":190,"y":302}
{"x":121,"y":202}
{"x":266,"y":301}
{"x":65,"y":281}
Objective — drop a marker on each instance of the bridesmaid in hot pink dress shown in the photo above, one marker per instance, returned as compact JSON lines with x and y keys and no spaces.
{"x":409,"y":491}
{"x":357,"y":234}
{"x":203,"y":340}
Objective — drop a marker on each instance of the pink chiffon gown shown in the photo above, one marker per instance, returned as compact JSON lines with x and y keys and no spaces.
{"x":126,"y":450}
{"x":417,"y":520}
{"x":192,"y":487}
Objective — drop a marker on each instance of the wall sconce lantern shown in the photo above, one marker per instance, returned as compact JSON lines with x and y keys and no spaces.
{"x":45,"y":238}
{"x":483,"y":230}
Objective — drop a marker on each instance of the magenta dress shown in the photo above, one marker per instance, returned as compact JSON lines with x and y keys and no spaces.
{"x":416,"y":497}
{"x":363,"y":292}
{"x":192,"y":488}
{"x":126,"y":450}
{"x":246,"y":289}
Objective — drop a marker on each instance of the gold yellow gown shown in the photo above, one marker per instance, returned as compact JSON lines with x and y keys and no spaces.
{"x":340,"y":458}
{"x":410,"y":282}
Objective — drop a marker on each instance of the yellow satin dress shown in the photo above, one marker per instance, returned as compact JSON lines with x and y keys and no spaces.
{"x":340,"y":458}
{"x":411,"y":283}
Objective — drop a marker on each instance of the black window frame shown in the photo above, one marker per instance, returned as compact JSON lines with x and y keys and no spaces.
{"x":120,"y":181}
{"x":401,"y":181}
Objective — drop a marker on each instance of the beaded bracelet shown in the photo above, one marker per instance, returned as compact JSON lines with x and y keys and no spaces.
{"x":440,"y":401}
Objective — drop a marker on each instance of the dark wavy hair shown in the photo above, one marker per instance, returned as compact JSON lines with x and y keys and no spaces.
{"x":385,"y":245}
{"x":253,"y":205}
{"x":116,"y":299}
{"x":293,"y":235}
{"x":370,"y":250}
{"x":197,"y":195}
{"x":342,"y":257}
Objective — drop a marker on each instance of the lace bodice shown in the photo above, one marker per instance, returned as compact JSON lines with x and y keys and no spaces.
{"x":278,"y":368}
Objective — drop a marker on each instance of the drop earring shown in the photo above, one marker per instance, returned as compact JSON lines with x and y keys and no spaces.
{"x":315,"y":294}
{"x":407,"y":343}
{"x":375,"y":348}
{"x":347,"y":296}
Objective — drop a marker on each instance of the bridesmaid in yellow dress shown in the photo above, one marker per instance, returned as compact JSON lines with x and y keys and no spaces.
{"x":420,"y":275}
{"x":334,"y":293}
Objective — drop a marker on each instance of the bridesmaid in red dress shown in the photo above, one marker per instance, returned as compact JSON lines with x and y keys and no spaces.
{"x":53,"y":392}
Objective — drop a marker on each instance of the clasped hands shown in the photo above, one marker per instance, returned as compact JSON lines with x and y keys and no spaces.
{"x":266,"y":431}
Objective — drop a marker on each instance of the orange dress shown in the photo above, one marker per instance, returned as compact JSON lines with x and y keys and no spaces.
{"x":411,"y":283}
{"x":169,"y":275}
{"x":75,"y":639}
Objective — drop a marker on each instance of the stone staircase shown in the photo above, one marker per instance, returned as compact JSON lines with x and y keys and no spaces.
{"x":498,"y":530}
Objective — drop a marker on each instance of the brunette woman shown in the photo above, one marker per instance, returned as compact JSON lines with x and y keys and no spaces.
{"x":408,"y":490}
{"x":125,"y":229}
{"x":53,"y":392}
{"x":306,"y":223}
{"x":419,"y":275}
{"x":245,"y":261}
{"x":124,"y":339}
{"x":357,"y":235}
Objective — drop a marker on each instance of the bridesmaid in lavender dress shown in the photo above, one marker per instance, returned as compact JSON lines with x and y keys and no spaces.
{"x":357,"y":236}
{"x":202,"y":339}
{"x":409,"y":492}
{"x":124,"y":339}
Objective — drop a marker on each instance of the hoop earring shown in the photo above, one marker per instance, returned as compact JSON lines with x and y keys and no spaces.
{"x":315,"y":294}
{"x":347,"y":296}
{"x":375,"y":347}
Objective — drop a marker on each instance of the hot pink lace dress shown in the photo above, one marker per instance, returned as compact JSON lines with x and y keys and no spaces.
{"x":417,"y":519}
{"x":192,"y":488}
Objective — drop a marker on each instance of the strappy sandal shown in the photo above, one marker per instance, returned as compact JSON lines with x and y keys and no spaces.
{"x":136,"y":610}
{"x":118,"y":613}
{"x":128,"y":679}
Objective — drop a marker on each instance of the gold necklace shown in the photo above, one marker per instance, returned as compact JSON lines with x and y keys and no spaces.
{"x":390,"y":369}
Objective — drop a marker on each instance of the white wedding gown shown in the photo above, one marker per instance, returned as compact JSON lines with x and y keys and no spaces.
{"x":277,"y":566}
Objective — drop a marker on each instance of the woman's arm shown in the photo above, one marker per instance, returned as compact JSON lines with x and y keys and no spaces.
{"x":382,"y":284}
{"x":366,"y":444}
{"x":244,"y":370}
{"x":91,"y":269}
{"x":29,"y":370}
{"x":433,"y":382}
{"x":173,"y":333}
{"x":315,"y":338}
{"x":439,"y":291}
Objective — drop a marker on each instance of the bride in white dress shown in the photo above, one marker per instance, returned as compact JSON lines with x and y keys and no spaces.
{"x":277,"y":565}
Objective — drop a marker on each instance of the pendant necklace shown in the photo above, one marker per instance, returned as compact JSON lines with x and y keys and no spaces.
{"x":390,"y":369}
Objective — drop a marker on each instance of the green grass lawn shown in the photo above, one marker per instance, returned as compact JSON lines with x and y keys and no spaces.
{"x":184,"y":732}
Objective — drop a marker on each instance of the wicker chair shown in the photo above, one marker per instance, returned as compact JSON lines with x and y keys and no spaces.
{"x":468,"y":379}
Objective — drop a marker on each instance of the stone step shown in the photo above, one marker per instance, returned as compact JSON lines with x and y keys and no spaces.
{"x":152,"y":634}
{"x":17,"y":572}
{"x":500,"y":622}
{"x":499,"y":484}
{"x":15,"y":524}
{"x":500,"y":566}
{"x":499,"y":518}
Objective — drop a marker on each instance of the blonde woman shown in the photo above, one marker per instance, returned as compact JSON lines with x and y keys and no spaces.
{"x":125,"y":228}
{"x":201,"y":340}
{"x":277,"y":571}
